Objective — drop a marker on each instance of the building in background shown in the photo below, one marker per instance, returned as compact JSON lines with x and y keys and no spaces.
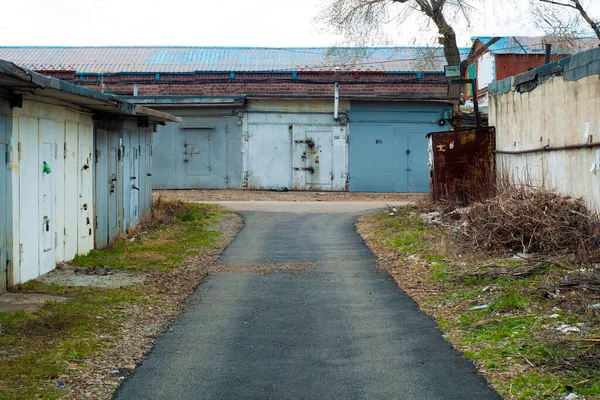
{"x":270,"y":118}
{"x":53,"y":179}
{"x":514,"y":55}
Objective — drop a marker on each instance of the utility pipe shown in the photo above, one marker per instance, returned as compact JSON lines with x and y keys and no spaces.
{"x":336,"y":101}
{"x":548,"y":148}
{"x":336,"y":93}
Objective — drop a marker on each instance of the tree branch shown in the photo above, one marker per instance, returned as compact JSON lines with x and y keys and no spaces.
{"x":475,"y":55}
{"x":556,"y":3}
{"x":587,"y":18}
{"x":576,"y":4}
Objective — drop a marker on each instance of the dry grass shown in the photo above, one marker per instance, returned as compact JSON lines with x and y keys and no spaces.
{"x":533,"y":221}
{"x":514,"y":340}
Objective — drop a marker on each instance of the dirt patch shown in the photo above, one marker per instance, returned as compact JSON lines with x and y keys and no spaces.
{"x":68,"y":275}
{"x":265,"y":195}
{"x":262,"y":269}
{"x":26,"y":301}
{"x":104,"y":373}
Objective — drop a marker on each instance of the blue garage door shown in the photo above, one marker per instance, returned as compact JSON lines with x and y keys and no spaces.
{"x":388,"y":150}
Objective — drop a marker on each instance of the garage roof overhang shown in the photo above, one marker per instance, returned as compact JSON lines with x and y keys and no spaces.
{"x":25,"y":84}
{"x":192,"y":101}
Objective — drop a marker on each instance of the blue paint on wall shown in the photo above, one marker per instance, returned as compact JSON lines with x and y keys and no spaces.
{"x":388,"y":150}
{"x":203,"y":152}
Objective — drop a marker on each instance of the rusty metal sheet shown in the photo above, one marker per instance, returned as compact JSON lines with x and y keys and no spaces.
{"x":463,"y":164}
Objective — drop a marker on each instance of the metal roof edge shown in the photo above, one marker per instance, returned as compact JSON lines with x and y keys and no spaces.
{"x":156,"y":115}
{"x":39,"y":81}
{"x":182,"y":100}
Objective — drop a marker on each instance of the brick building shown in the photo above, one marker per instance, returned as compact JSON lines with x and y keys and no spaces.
{"x":298,"y":118}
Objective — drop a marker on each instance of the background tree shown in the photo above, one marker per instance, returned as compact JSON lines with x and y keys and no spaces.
{"x":561,"y":23}
{"x":362,"y":21}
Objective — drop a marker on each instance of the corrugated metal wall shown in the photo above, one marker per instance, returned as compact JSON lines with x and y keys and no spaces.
{"x":203,"y":151}
{"x":388,"y":150}
{"x":5,"y":197}
{"x":52,"y":192}
{"x":123,"y":180}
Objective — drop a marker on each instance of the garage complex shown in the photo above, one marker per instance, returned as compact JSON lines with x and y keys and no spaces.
{"x":272,"y":118}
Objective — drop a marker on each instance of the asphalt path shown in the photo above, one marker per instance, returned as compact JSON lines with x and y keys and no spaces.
{"x":338,"y":329}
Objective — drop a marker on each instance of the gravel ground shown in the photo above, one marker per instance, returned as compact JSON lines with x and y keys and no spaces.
{"x":68,"y":275}
{"x":265,"y":195}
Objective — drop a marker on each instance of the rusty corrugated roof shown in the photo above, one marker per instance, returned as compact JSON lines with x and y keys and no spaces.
{"x":94,"y":60}
{"x":537,"y":44}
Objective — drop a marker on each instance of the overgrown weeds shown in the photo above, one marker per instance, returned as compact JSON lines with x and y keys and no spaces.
{"x":44,"y":352}
{"x":528,"y":319}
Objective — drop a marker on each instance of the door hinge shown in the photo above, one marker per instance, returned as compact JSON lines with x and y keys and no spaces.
{"x":65,"y":149}
{"x":209,"y":137}
{"x":55,"y":239}
{"x":9,"y":153}
{"x":20,"y":254}
{"x":347,"y":139}
{"x":227,"y":179}
{"x":19,"y":151}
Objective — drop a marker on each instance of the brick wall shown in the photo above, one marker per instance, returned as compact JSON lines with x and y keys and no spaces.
{"x":304,"y":84}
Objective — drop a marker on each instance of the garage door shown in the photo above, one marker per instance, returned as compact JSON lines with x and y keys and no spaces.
{"x":203,"y":152}
{"x":3,"y":204}
{"x":388,"y":149}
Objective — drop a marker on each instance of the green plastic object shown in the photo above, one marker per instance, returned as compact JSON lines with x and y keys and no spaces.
{"x":47,"y":168}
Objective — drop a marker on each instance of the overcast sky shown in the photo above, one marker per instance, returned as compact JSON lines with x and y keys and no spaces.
{"x":276,"y":23}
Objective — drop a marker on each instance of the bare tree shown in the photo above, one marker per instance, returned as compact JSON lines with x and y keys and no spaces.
{"x":361,"y":20}
{"x":552,"y":19}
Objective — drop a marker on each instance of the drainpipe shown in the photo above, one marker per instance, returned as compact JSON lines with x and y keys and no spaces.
{"x":548,"y":53}
{"x":336,"y":96}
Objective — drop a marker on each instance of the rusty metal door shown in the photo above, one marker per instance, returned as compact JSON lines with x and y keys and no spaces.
{"x":319,"y":160}
{"x":463,"y":164}
{"x":4,"y":216}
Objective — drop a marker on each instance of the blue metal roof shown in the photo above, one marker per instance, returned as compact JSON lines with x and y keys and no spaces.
{"x":537,"y":44}
{"x":137,"y":60}
{"x":13,"y":77}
